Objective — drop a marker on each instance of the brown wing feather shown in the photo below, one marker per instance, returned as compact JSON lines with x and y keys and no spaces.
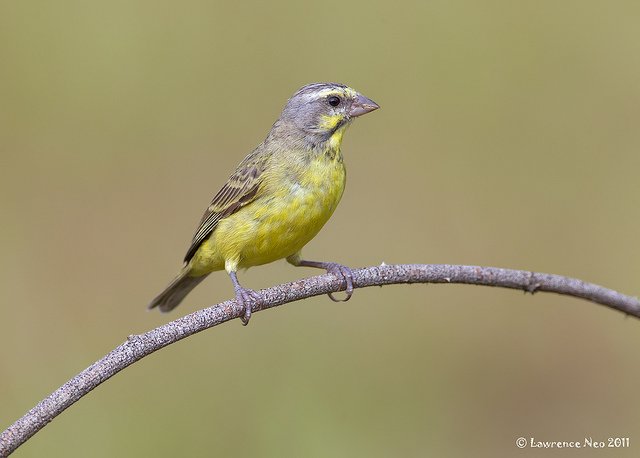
{"x":240,"y":189}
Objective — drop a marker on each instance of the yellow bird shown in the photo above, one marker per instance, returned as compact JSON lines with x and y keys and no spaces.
{"x":278,"y":198}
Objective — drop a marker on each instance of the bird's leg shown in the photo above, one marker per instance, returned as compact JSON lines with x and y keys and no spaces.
{"x":340,"y":271}
{"x":245,"y":297}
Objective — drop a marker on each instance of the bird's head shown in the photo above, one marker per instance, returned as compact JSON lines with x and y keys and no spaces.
{"x":320,"y":112}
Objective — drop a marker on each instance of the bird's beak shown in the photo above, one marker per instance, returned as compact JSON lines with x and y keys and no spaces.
{"x":362,"y":105}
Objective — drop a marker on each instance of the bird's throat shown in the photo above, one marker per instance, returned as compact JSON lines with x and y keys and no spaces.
{"x":335,"y":139}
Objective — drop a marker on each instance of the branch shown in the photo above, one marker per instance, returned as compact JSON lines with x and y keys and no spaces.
{"x":137,"y":347}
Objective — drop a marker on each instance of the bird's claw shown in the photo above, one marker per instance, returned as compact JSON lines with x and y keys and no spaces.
{"x":342,"y":272}
{"x":247,"y":298}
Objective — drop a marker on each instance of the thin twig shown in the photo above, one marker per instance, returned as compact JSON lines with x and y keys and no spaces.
{"x":137,"y":347}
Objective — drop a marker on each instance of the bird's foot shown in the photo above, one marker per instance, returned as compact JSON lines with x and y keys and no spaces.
{"x":247,"y":298}
{"x":342,"y":272}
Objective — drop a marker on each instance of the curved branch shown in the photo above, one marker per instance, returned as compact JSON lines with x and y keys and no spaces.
{"x":137,"y":347}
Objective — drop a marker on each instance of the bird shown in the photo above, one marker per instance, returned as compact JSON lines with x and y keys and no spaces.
{"x":277,"y":199}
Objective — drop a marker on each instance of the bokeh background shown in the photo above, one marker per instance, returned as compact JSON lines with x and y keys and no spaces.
{"x":508,"y":136}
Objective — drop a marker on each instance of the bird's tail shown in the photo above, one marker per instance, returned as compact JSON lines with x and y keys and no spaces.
{"x":173,"y":294}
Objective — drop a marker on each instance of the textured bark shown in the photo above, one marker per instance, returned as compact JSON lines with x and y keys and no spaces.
{"x":137,"y":347}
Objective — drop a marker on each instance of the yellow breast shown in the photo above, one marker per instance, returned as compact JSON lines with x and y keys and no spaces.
{"x":298,"y":199}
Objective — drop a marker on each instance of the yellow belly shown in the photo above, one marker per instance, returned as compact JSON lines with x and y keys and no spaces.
{"x":278,"y":223}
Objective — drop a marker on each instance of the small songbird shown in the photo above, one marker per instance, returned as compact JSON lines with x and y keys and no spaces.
{"x":278,"y":198}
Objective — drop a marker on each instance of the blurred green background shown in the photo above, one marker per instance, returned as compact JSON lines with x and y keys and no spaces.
{"x":508,"y":136}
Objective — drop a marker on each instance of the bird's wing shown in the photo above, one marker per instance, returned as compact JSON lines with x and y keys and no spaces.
{"x":239,"y":190}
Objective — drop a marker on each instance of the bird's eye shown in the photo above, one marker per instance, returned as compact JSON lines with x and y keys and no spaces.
{"x":334,"y":101}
